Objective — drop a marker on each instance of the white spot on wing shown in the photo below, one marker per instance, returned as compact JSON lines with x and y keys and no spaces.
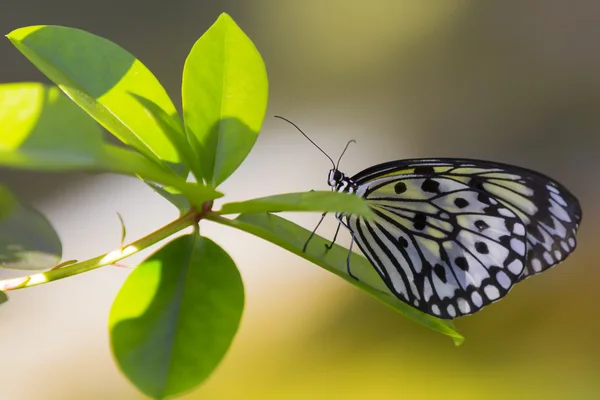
{"x":451,"y":310}
{"x":519,"y":229}
{"x":536,"y":265}
{"x":557,"y":255}
{"x":463,"y":305}
{"x":558,"y":211}
{"x":552,"y":188}
{"x":427,"y":289}
{"x":476,"y":299}
{"x":503,"y":279}
{"x":518,"y":246}
{"x":516,"y":267}
{"x":558,"y":198}
{"x":491,"y":292}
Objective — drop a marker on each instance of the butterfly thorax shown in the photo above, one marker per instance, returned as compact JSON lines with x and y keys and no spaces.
{"x":340,"y":182}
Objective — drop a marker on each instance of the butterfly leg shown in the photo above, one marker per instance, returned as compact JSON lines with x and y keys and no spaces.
{"x":313,"y":232}
{"x":348,"y":260}
{"x":330,"y":245}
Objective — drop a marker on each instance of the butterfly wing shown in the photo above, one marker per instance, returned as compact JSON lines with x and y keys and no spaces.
{"x":550,"y":212}
{"x":438,"y":244}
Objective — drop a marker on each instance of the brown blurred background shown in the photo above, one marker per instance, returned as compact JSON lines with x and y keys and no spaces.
{"x":512,"y":81}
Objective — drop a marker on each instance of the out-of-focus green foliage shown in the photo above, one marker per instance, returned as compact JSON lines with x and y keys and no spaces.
{"x":27,"y":240}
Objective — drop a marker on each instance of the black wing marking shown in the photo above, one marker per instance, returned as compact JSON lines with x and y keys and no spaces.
{"x":551,"y":214}
{"x":438,"y":244}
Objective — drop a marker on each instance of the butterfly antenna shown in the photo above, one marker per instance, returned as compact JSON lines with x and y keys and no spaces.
{"x":341,"y":155}
{"x":309,"y":139}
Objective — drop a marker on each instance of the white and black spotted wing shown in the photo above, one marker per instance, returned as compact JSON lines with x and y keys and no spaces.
{"x":439,"y":245}
{"x":452,"y":236}
{"x":551,"y":214}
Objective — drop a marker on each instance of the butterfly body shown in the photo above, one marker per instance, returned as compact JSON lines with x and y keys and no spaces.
{"x":451,"y":236}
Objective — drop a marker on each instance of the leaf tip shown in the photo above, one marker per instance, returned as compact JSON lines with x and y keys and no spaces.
{"x":458,"y":339}
{"x":21,"y":33}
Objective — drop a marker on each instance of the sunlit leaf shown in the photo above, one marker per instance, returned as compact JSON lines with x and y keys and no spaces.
{"x":172,"y":127}
{"x":305,"y":201}
{"x":176,"y":315}
{"x":40,"y":128}
{"x":224,"y":98}
{"x":100,"y":77}
{"x":27,"y":240}
{"x":292,"y":237}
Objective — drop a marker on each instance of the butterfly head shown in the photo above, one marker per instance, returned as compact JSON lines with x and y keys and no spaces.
{"x":339,"y":182}
{"x":335,"y":177}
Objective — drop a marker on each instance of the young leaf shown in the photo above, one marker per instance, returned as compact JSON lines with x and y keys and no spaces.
{"x":40,"y":128}
{"x":176,"y":316}
{"x":224,"y":98}
{"x":171,"y":126}
{"x":175,"y":198}
{"x":306,"y":201}
{"x":100,"y":77}
{"x":292,"y":237}
{"x":27,"y":240}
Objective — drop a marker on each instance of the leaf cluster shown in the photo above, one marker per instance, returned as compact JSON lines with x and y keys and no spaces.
{"x":178,"y":311}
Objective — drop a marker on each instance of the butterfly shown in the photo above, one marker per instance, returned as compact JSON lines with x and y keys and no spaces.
{"x":451,"y":236}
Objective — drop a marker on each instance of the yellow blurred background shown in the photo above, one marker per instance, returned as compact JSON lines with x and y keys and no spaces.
{"x":511,"y":81}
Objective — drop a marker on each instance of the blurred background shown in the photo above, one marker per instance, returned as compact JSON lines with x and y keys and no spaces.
{"x":511,"y":81}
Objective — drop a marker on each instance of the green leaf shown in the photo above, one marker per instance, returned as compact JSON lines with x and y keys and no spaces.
{"x":128,"y":162}
{"x":292,"y":237}
{"x":40,"y":128}
{"x":27,"y":240}
{"x":171,"y":125}
{"x":225,"y":94}
{"x":8,"y":202}
{"x":176,"y":316}
{"x":100,"y":77}
{"x":3,"y":297}
{"x":172,"y":196}
{"x":305,"y":201}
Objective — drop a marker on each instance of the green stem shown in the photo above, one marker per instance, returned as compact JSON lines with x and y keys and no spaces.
{"x":183,"y":222}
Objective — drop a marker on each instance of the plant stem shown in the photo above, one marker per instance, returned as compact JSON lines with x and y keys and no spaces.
{"x":127,"y":250}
